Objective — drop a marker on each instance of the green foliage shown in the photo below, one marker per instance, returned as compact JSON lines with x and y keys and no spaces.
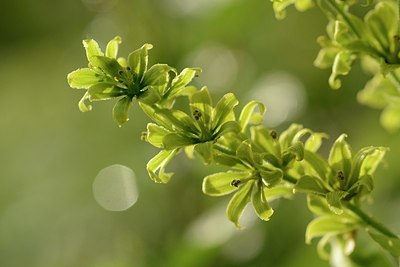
{"x":262,"y":165}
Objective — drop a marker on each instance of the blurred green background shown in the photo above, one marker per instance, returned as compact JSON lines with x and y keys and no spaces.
{"x":51,"y":152}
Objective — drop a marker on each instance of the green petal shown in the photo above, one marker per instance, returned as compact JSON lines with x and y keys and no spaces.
{"x":224,"y":183}
{"x":104,"y":91}
{"x":260,"y":204}
{"x":341,"y":66}
{"x":238,"y":203}
{"x":297,"y":149}
{"x":390,"y":118}
{"x":227,"y":127}
{"x":92,"y":49}
{"x":261,"y":137}
{"x":121,"y":110}
{"x":201,"y":101}
{"x":156,"y":134}
{"x":82,"y":105}
{"x":278,"y":192}
{"x":83,"y":78}
{"x":318,"y":205}
{"x":176,"y":119}
{"x":317,"y":163}
{"x":156,"y":166}
{"x":108,"y":65}
{"x":205,"y":151}
{"x":372,"y":161}
{"x":245,"y":153}
{"x":249,"y":115}
{"x":157,"y":75}
{"x":223,"y":111}
{"x":174,"y":140}
{"x":334,"y":199}
{"x":138,"y":60}
{"x":331,"y":224}
{"x":314,"y":142}
{"x":112,"y":47}
{"x":180,"y":81}
{"x":286,"y":138}
{"x":340,"y":156}
{"x":271,"y":177}
{"x":310,"y":184}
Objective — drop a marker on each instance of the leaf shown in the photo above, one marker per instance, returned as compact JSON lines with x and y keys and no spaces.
{"x":391,"y":244}
{"x":224,"y":183}
{"x":248,"y":114}
{"x":138,"y":61}
{"x":223,"y":111}
{"x":156,"y":134}
{"x":158,"y":164}
{"x":104,"y":91}
{"x":330,"y":225}
{"x":83,"y":78}
{"x":260,"y":204}
{"x":340,"y":156}
{"x":92,"y":49}
{"x":108,"y":65}
{"x":238,"y":203}
{"x":310,"y":184}
{"x":121,"y":110}
{"x":112,"y":47}
{"x":334,"y":199}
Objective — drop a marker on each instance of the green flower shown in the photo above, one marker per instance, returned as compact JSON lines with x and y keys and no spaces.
{"x":108,"y":77}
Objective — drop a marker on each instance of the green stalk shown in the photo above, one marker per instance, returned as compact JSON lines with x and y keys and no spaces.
{"x":368,"y":220}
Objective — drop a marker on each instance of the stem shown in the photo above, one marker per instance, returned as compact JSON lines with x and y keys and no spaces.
{"x":369,"y":220}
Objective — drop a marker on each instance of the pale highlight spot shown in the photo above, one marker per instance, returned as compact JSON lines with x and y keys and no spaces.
{"x":115,"y":188}
{"x":282,"y":94}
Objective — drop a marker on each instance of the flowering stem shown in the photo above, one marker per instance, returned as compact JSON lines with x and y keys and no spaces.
{"x":369,"y":220}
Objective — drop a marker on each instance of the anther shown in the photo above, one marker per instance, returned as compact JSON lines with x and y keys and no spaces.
{"x":120,"y":72}
{"x":235,"y":183}
{"x":273,"y":134}
{"x":340,"y":175}
{"x":196,"y":114}
{"x":143,"y":136}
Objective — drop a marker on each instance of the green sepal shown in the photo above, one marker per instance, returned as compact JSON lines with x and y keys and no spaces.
{"x":330,"y":225}
{"x":201,"y":101}
{"x":156,"y":166}
{"x":318,"y":205}
{"x":390,"y":243}
{"x":271,"y":177}
{"x":238,"y":203}
{"x":279,"y":191}
{"x":157,"y":75}
{"x":224,"y":183}
{"x":176,"y":140}
{"x":82,"y":103}
{"x":180,"y":81}
{"x":156,"y":134}
{"x":205,"y":151}
{"x":260,"y":204}
{"x":83,"y":78}
{"x":340,"y":156}
{"x":138,"y":61}
{"x":104,"y":91}
{"x":334,"y":201}
{"x":310,"y":184}
{"x":248,"y":115}
{"x":121,"y":110}
{"x":112,"y":47}
{"x":92,"y":49}
{"x":223,"y":111}
{"x":108,"y":65}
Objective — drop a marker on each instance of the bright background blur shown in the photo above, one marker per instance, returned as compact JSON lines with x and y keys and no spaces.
{"x":50,"y":153}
